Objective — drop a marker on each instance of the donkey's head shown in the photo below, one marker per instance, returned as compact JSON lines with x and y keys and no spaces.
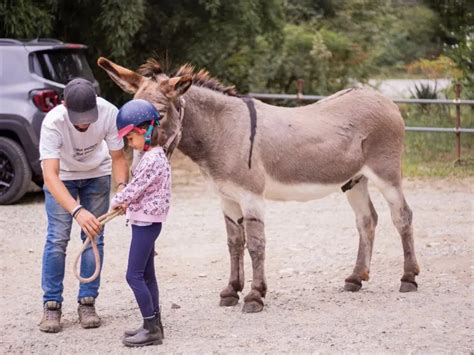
{"x":151,"y":84}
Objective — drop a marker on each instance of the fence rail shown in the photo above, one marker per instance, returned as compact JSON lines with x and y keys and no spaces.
{"x":457,"y":102}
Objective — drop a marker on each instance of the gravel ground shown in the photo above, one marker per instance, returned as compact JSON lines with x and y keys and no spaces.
{"x":311,"y":248}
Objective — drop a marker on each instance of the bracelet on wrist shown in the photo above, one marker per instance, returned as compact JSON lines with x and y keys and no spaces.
{"x":76,"y":210}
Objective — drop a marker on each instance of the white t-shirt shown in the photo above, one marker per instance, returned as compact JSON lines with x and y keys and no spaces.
{"x":82,"y":155}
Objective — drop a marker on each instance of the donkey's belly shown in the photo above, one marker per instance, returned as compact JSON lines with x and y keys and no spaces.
{"x":275,"y":190}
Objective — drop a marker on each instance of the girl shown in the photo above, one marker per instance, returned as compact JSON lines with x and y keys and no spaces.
{"x":146,"y":200}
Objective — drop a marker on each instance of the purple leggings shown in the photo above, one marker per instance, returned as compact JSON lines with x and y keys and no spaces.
{"x":141,"y":268}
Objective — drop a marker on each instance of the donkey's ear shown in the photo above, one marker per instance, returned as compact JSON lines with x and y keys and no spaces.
{"x":178,"y":85}
{"x":128,"y":80}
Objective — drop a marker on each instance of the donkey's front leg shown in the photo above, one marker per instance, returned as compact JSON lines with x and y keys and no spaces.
{"x":236,"y":244}
{"x":254,"y":232}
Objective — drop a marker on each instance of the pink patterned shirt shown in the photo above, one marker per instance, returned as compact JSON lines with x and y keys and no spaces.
{"x":148,"y":195}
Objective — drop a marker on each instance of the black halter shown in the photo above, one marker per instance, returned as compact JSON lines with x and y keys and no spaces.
{"x":173,"y":141}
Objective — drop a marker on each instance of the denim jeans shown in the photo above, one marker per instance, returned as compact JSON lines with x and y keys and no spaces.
{"x":94,"y":195}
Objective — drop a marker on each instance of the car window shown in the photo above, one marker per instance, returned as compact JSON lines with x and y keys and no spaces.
{"x":62,"y":65}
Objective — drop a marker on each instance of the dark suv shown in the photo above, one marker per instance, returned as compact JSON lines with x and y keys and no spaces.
{"x":32,"y":78}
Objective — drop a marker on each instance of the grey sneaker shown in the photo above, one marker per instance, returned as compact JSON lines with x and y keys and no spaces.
{"x":50,"y":323}
{"x":87,"y":315}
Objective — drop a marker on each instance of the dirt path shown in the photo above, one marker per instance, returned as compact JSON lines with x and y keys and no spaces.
{"x":311,"y":248}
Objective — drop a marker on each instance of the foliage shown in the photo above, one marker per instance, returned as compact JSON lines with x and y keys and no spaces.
{"x":425,"y":91}
{"x":463,"y":54}
{"x":409,"y":33}
{"x":217,"y":35}
{"x":260,"y":44}
{"x":440,"y":67}
{"x":304,"y":11}
{"x":26,"y":18}
{"x":327,"y":61}
{"x":214,"y":34}
{"x":456,"y":32}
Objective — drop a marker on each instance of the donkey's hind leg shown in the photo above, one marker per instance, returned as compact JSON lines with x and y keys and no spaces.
{"x":366,"y":220}
{"x":402,"y":217}
{"x":235,"y":242}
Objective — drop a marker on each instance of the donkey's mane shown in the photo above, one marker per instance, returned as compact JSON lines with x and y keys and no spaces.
{"x":201,"y":78}
{"x":150,"y":69}
{"x":204,"y":79}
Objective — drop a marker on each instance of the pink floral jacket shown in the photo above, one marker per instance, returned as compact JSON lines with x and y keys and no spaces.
{"x":148,"y":195}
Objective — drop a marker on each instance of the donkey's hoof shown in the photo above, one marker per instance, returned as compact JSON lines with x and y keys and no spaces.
{"x":408,"y":286}
{"x":252,"y":307}
{"x":352,"y":286}
{"x":228,"y":301}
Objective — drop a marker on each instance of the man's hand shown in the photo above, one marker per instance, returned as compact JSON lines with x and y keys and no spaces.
{"x":89,"y":224}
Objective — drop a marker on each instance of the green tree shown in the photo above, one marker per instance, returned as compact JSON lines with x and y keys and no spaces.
{"x":26,"y":18}
{"x":255,"y":44}
{"x":456,"y":31}
{"x":215,"y":34}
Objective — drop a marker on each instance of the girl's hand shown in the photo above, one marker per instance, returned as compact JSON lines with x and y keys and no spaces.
{"x":122,"y":208}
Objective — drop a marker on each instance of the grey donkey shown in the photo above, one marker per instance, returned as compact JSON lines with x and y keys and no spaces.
{"x":251,"y":151}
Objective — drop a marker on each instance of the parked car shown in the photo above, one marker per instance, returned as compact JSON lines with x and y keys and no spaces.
{"x":33,"y":74}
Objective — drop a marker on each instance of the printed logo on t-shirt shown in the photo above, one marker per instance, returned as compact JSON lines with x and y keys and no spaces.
{"x":82,"y":152}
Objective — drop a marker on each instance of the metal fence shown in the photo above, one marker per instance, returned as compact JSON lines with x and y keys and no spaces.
{"x":457,"y":130}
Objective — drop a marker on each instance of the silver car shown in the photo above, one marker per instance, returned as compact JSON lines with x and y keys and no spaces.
{"x":32,"y":78}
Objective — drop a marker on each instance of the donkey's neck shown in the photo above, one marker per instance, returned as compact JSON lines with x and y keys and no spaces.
{"x":207,"y":123}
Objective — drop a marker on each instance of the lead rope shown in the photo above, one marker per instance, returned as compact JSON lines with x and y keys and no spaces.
{"x":102,"y":220}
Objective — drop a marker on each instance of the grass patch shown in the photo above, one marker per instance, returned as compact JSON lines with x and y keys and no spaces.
{"x":443,"y":166}
{"x":434,"y":154}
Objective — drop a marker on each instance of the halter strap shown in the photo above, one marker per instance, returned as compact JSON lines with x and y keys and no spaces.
{"x":175,"y":138}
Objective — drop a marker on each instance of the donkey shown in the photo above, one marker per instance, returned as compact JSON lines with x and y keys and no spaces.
{"x":251,"y":151}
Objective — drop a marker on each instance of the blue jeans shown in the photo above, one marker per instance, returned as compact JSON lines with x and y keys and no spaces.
{"x":94,"y":195}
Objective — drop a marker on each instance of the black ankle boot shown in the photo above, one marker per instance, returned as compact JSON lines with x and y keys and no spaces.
{"x":159,"y":324}
{"x":132,"y":332}
{"x":150,"y":334}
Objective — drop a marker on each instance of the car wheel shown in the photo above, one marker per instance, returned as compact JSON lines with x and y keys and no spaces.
{"x":15,"y":172}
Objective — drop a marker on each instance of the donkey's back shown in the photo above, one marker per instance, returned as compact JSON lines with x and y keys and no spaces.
{"x":309,"y":151}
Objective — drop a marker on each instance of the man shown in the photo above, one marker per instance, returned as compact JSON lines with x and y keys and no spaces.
{"x":79,"y":149}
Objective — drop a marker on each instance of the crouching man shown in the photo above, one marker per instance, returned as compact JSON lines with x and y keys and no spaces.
{"x":79,"y":150}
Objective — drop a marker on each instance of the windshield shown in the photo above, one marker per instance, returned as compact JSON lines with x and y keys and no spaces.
{"x":62,"y":65}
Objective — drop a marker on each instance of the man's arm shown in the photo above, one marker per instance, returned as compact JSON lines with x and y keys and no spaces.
{"x":119,"y":168}
{"x":89,"y":224}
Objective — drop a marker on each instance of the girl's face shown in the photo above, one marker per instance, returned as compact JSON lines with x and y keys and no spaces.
{"x":136,"y":140}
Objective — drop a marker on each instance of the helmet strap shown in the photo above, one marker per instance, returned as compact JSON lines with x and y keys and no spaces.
{"x":147,"y":135}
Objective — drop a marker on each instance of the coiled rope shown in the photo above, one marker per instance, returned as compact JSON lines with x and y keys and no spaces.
{"x":103,"y":220}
